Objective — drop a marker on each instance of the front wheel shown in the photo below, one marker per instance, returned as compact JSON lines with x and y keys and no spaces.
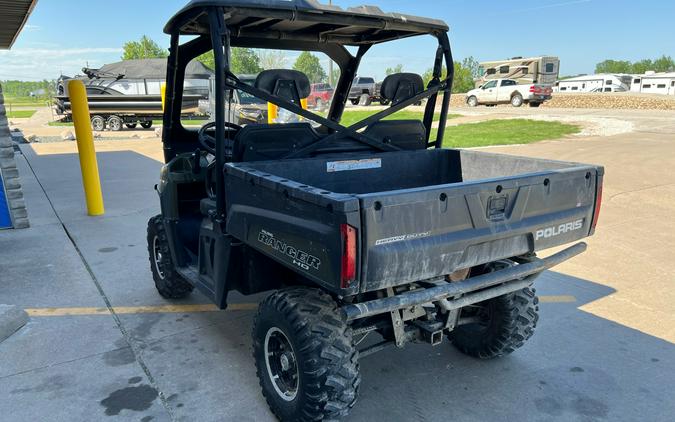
{"x":535,"y":104}
{"x":517,"y":100}
{"x":168,"y":282}
{"x":146,"y":124}
{"x":130,"y":125}
{"x":305,"y":359}
{"x":498,"y":326}
{"x":472,"y":101}
{"x":354,"y":101}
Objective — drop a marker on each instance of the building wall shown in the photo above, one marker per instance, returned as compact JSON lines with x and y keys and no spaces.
{"x":10,"y":173}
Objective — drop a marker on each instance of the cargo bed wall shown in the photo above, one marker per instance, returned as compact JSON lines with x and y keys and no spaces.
{"x":420,"y":214}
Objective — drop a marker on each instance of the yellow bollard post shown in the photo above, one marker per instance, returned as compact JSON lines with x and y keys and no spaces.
{"x":85,"y":147}
{"x":303,"y":103}
{"x":162,"y":92}
{"x":272,"y":112}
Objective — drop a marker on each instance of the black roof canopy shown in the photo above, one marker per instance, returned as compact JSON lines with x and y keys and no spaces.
{"x":302,"y":20}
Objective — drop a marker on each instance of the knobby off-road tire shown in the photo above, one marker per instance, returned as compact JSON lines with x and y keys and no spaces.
{"x":509,"y":322}
{"x":300,"y":334}
{"x":168,"y":282}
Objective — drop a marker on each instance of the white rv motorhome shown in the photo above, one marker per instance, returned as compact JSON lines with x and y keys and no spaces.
{"x":601,"y":82}
{"x":541,"y":70}
{"x":654,"y":83}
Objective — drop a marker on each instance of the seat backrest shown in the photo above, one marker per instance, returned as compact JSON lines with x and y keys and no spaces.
{"x":401,"y":86}
{"x":405,"y":134}
{"x":291,"y":85}
{"x":260,"y":142}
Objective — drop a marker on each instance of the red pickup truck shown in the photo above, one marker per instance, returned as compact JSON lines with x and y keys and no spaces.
{"x":320,"y":95}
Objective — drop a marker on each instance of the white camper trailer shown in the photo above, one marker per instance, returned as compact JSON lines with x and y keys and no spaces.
{"x":541,"y":70}
{"x":654,"y":83}
{"x":602,"y":82}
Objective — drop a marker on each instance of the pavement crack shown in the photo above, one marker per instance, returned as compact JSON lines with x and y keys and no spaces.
{"x":640,"y":190}
{"x":27,"y":371}
{"x":135,"y":349}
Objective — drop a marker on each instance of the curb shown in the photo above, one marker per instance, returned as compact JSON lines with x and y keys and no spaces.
{"x":12,"y":318}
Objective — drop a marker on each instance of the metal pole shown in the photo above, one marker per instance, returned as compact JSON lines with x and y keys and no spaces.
{"x":330,"y":61}
{"x":85,"y":147}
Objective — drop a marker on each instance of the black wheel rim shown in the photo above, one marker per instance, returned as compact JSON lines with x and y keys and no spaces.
{"x":281,"y":363}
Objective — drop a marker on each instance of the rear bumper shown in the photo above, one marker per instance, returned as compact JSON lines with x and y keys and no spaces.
{"x":468,"y":292}
{"x":539,"y":97}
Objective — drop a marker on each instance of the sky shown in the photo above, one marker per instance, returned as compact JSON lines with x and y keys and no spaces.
{"x":64,"y":36}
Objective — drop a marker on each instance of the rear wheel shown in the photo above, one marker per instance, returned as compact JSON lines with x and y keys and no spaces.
{"x":115,"y":123}
{"x":146,"y":124}
{"x":305,"y":359}
{"x":517,"y":100}
{"x":98,"y":123}
{"x":499,"y":326}
{"x":168,"y":282}
{"x":384,"y":101}
{"x":472,"y":101}
{"x":354,"y":101}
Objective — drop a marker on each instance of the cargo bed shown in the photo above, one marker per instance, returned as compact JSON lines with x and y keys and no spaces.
{"x":418,"y":215}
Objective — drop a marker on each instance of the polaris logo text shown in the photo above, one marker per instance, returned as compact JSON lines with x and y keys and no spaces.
{"x":300,"y":258}
{"x":556,"y":230}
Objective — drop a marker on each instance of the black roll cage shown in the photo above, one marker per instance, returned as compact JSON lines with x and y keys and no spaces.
{"x":176,"y":139}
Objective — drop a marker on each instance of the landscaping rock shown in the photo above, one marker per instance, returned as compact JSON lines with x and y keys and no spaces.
{"x":67,"y":135}
{"x":158,"y":132}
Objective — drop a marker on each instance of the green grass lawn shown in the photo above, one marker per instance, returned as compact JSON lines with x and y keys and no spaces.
{"x":504,"y":132}
{"x":20,"y":114}
{"x":25,"y":101}
{"x":349,"y":117}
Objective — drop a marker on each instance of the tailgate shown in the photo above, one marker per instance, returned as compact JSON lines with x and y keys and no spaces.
{"x":422,"y":233}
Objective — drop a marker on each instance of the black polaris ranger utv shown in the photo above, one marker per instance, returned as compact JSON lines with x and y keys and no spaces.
{"x":372,"y":229}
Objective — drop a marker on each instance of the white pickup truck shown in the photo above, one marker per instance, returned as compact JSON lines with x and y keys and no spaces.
{"x":504,"y":91}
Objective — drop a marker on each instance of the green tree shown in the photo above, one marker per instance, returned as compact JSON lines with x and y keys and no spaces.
{"x":463,"y":80}
{"x":207,"y":60}
{"x":244,"y":61}
{"x":642,"y":66}
{"x":396,"y":69}
{"x":272,"y":59}
{"x":472,"y":65}
{"x":145,"y":48}
{"x":309,"y":64}
{"x":336,"y":74}
{"x":664,"y":64}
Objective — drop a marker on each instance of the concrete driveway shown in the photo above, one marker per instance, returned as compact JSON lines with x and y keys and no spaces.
{"x":102,"y":343}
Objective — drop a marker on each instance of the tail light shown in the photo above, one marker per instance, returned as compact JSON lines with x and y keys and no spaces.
{"x":533,"y":88}
{"x":348,"y":255}
{"x":598,"y":203}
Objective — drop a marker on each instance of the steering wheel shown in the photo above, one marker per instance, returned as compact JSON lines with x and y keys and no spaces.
{"x":207,"y":140}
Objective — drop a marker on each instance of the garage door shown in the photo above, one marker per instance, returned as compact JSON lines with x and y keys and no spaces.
{"x":5,"y":218}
